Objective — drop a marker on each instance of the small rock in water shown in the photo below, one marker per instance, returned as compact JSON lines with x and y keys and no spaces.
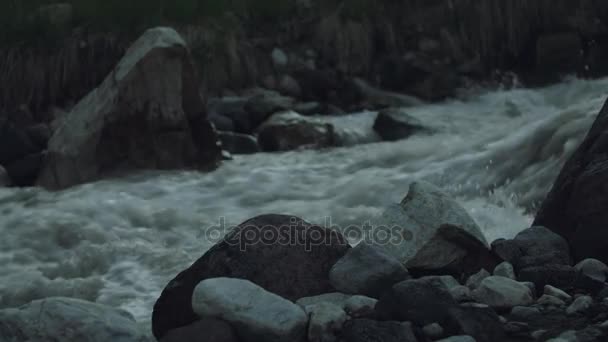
{"x":255,"y":313}
{"x":505,"y":269}
{"x":325,"y":322}
{"x":593,"y":269}
{"x":364,"y":330}
{"x":367,"y":270}
{"x":433,"y":331}
{"x":503,"y":293}
{"x":555,"y":292}
{"x":68,"y":320}
{"x":580,"y":305}
{"x":475,"y":280}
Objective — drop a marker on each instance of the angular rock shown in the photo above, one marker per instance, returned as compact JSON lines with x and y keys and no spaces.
{"x":147,"y":114}
{"x":549,"y":300}
{"x":505,"y":269}
{"x":257,"y":250}
{"x":507,"y":250}
{"x":289,"y":131}
{"x":593,"y":269}
{"x":237,"y":143}
{"x":580,"y":305}
{"x":325,"y":322}
{"x":575,"y":207}
{"x":204,"y":330}
{"x":540,"y":247}
{"x":503,"y":293}
{"x":418,"y":301}
{"x":5,"y":180}
{"x":360,"y":307}
{"x":256,"y":314}
{"x":68,"y":320}
{"x":431,"y":233}
{"x":367,"y":270}
{"x":478,"y":321}
{"x":475,"y":280}
{"x":394,"y":124}
{"x":364,"y":330}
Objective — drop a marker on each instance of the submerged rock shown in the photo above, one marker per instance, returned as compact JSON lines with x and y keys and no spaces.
{"x":68,"y":320}
{"x":263,"y":250}
{"x":289,"y":131}
{"x":576,"y":205}
{"x":256,"y":314}
{"x":147,"y":114}
{"x":431,"y":233}
{"x":394,"y":124}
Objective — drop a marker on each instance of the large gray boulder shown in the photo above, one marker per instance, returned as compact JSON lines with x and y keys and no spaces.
{"x":147,"y":114}
{"x":430,"y":232}
{"x":575,"y":207}
{"x":68,"y":320}
{"x":256,"y":314}
{"x":283,"y":254}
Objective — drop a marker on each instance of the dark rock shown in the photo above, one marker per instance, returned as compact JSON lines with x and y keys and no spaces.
{"x":5,"y":180}
{"x":261,"y":106}
{"x":289,"y":131}
{"x":264,"y":250}
{"x":593,"y":269}
{"x":394,"y":124}
{"x":540,"y":246}
{"x":417,"y":301}
{"x":478,"y":321}
{"x":237,"y":143}
{"x":147,"y":114}
{"x":222,"y":123}
{"x":364,"y":330}
{"x":507,"y":250}
{"x":576,"y":205}
{"x":14,"y":143}
{"x":368,"y":271}
{"x":204,"y":330}
{"x":39,"y":134}
{"x":309,"y":108}
{"x":560,"y":276}
{"x":24,"y":172}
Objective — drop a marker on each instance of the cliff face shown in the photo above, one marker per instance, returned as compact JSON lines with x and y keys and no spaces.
{"x":414,"y":46}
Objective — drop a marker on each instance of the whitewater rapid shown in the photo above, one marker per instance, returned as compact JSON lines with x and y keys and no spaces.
{"x":118,"y":242}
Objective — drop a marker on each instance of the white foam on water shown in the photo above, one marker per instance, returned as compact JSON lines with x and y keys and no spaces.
{"x":119,"y":242}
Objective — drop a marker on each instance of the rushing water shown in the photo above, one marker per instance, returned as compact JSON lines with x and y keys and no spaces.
{"x":118,"y":242}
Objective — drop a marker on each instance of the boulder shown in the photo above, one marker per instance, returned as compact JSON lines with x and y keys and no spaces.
{"x":561,"y":276}
{"x":475,"y":280}
{"x":418,"y":301}
{"x":39,"y":134}
{"x":289,"y":131}
{"x":265,"y":103}
{"x":5,"y":180}
{"x":68,"y":320}
{"x":593,"y":269}
{"x":503,"y":293}
{"x":394,"y":124}
{"x":147,"y":114}
{"x":430,"y":232}
{"x":575,"y":207}
{"x":478,"y":321}
{"x":539,"y":246}
{"x":204,"y":330}
{"x":222,"y":123}
{"x":367,"y":270}
{"x":25,"y":170}
{"x":365,"y":330}
{"x":264,"y":251}
{"x":256,"y":314}
{"x":14,"y":143}
{"x":360,"y":307}
{"x":505,"y":269}
{"x":335,"y":298}
{"x":228,"y":114}
{"x":554,"y":291}
{"x":580,"y":305}
{"x":325,"y":322}
{"x":237,"y":143}
{"x":551,"y":301}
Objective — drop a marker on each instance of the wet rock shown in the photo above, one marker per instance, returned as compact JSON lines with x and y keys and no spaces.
{"x":576,"y":206}
{"x":593,"y":269}
{"x":289,"y":131}
{"x":505,"y":269}
{"x":147,"y":114}
{"x":475,"y":280}
{"x":580,"y":305}
{"x":68,"y":320}
{"x":540,"y":247}
{"x":394,"y":124}
{"x":503,"y":293}
{"x":237,"y":143}
{"x":5,"y":180}
{"x":433,"y":234}
{"x":25,"y":171}
{"x":364,"y":330}
{"x":222,"y":123}
{"x":325,"y":322}
{"x":255,"y":313}
{"x":507,"y":250}
{"x":367,"y":270}
{"x":204,"y":330}
{"x":418,"y":301}
{"x":267,"y":262}
{"x":555,"y":292}
{"x":433,"y":331}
